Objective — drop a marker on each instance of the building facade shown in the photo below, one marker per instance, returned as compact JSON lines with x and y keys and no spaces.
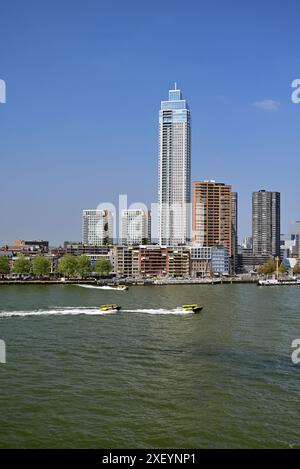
{"x":178,"y":262}
{"x":153,"y":261}
{"x":298,"y":245}
{"x":220,"y":260}
{"x":266,"y":223}
{"x":97,"y":227}
{"x":234,"y":234}
{"x":250,"y":263}
{"x":126,"y":261}
{"x":174,"y":194}
{"x":200,"y":261}
{"x":215,"y":215}
{"x":135,"y":227}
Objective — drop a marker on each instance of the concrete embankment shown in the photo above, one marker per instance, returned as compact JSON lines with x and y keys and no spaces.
{"x":131,"y":282}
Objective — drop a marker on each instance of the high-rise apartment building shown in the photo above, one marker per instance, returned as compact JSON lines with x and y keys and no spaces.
{"x":234,"y":235}
{"x":215,"y":215}
{"x":298,"y":245}
{"x":174,"y":170}
{"x":266,"y":223}
{"x":97,"y":227}
{"x":135,"y":227}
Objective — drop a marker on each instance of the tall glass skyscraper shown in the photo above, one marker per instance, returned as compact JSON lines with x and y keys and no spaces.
{"x":174,"y":192}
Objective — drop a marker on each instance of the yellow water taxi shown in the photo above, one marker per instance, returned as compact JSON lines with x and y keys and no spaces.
{"x":112,"y":307}
{"x":122,"y":287}
{"x":192,"y":308}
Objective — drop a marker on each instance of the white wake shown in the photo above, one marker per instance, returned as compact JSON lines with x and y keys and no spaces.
{"x":91,"y":311}
{"x":56,"y":312}
{"x":177,"y":311}
{"x":98,"y":287}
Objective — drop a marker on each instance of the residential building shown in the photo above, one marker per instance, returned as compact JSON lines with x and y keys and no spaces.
{"x":97,"y":227}
{"x":266,"y":223}
{"x":215,"y":217}
{"x":174,"y":194}
{"x":234,"y":232}
{"x":200,"y":259}
{"x":153,"y":261}
{"x":135,"y":226}
{"x":126,"y":261}
{"x":27,"y":247}
{"x":220,"y":260}
{"x":298,"y":245}
{"x":35,"y":245}
{"x":79,"y":249}
{"x":178,"y":262}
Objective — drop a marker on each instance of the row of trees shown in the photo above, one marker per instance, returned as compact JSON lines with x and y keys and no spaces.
{"x":69,"y":266}
{"x":270,"y":267}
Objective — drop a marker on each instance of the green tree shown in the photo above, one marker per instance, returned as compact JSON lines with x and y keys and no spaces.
{"x":68,"y":266}
{"x":22,"y":265}
{"x":83,"y":266}
{"x":267,"y":268}
{"x":296,"y":269}
{"x":282,"y":268}
{"x":41,"y":266}
{"x":102,"y":267}
{"x":4,"y":265}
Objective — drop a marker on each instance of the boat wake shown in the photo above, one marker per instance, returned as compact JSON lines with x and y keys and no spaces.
{"x":56,"y":312}
{"x":97,"y":287}
{"x":92,"y":311}
{"x":177,"y":311}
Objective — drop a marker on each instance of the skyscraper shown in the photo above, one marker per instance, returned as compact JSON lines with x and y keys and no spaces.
{"x":97,"y":227}
{"x":174,"y":192}
{"x":234,"y":234}
{"x":215,"y":215}
{"x":266,"y":223}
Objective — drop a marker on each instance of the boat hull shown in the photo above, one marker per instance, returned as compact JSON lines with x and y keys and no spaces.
{"x":192,"y":308}
{"x":107,"y":308}
{"x":198,"y":309}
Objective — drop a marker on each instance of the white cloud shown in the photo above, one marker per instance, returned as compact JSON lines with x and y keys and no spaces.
{"x":267,"y":105}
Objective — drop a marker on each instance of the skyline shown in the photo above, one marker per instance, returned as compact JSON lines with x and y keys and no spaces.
{"x":82,"y":88}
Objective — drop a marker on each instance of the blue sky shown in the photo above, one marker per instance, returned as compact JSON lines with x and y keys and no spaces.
{"x":84,"y":84}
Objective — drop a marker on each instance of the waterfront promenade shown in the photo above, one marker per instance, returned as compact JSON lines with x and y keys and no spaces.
{"x":142,"y":282}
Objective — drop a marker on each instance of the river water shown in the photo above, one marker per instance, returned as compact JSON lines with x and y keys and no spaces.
{"x":149,"y":376}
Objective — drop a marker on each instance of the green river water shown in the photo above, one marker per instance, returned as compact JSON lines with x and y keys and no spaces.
{"x":149,"y":376}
